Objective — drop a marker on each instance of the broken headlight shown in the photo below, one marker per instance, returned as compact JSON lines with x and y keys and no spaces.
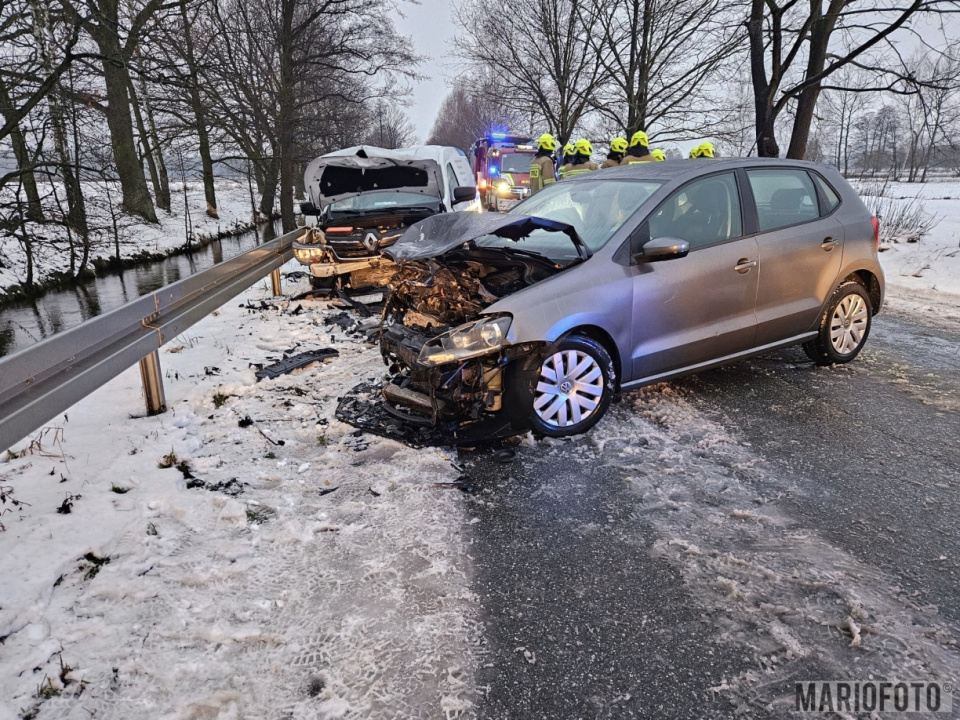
{"x":474,"y":339}
{"x":307,"y":255}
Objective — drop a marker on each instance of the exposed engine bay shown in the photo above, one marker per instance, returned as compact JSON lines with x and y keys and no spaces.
{"x":449,"y":361}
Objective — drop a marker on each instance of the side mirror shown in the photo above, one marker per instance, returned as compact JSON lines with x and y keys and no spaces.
{"x":464,"y":194}
{"x":664,"y":248}
{"x":308,"y":208}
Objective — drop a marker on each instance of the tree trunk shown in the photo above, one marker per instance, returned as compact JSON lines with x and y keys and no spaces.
{"x":269,"y":190}
{"x":24,"y":162}
{"x":145,"y":142}
{"x":200,"y":115}
{"x":286,"y":120}
{"x":763,"y":93}
{"x":136,"y":196}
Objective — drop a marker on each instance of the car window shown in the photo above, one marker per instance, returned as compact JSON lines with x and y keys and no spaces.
{"x":451,"y":181}
{"x":595,"y":208}
{"x":704,"y":212}
{"x":828,"y":192}
{"x":784,"y":197}
{"x":515,"y":163}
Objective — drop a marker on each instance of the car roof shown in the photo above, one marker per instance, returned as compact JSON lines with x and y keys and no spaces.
{"x":681,"y":170}
{"x":437,"y":153}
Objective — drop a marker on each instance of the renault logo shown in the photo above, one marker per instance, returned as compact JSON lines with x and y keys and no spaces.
{"x":370,"y":241}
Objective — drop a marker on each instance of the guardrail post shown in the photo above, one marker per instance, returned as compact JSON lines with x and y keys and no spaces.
{"x":275,"y":282}
{"x":153,"y":383}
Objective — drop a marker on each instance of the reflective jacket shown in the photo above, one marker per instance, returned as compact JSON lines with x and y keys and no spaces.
{"x":541,"y":173}
{"x":633,"y":159}
{"x":573,"y":169}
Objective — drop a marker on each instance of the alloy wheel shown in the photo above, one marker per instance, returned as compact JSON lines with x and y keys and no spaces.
{"x":570,"y":388}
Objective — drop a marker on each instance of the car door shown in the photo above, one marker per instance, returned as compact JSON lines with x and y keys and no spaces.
{"x":698,"y":308}
{"x":801,"y":245}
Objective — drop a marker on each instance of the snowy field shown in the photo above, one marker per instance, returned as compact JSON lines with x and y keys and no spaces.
{"x":324,"y":577}
{"x":931,"y":265}
{"x":51,"y":254}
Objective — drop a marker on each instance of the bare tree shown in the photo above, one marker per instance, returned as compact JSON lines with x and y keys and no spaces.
{"x":796,"y":47}
{"x":389,"y":126}
{"x":544,"y":59}
{"x":661,"y":67}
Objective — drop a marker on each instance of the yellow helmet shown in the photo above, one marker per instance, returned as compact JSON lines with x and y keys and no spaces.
{"x":639,"y":138}
{"x":658,"y":154}
{"x":547,"y":142}
{"x":703,"y":150}
{"x":569,"y":150}
{"x":618,"y":145}
{"x":584,"y":147}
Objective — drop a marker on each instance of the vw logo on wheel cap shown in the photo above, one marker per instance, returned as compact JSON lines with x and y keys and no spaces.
{"x":370,"y":241}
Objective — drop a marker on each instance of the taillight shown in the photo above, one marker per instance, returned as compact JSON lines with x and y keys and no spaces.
{"x":876,"y":232}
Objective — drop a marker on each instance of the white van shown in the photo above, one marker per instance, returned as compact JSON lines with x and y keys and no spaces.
{"x":364,"y":197}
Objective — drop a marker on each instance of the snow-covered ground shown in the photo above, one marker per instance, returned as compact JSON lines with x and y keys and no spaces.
{"x":931,"y":266}
{"x":136,"y":237}
{"x":154,"y":599}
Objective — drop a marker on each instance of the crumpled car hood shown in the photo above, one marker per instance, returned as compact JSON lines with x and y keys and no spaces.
{"x":439,"y":234}
{"x":337,"y":177}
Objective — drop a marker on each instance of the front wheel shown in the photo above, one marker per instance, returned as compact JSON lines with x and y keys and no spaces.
{"x":574,"y":388}
{"x":844,"y":326}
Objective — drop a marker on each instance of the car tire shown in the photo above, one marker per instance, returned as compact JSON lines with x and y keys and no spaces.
{"x":573,"y":389}
{"x":327,"y":284}
{"x":844,"y":326}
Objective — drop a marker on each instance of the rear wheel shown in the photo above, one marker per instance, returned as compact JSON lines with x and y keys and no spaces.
{"x":844,"y":326}
{"x":574,"y":388}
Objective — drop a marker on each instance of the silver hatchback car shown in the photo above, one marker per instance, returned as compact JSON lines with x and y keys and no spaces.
{"x":620,"y":278}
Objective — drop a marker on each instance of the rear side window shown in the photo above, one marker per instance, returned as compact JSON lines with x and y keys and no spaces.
{"x":784,"y":197}
{"x":828,"y":192}
{"x":702,"y":213}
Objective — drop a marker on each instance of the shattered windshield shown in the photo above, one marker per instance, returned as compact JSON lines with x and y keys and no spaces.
{"x":386,"y":200}
{"x":595,"y":208}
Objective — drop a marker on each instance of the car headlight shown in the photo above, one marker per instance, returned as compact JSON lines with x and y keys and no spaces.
{"x":474,"y":339}
{"x":307,"y":255}
{"x":504,"y":188}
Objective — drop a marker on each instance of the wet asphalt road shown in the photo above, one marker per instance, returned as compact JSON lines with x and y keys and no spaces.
{"x":584,"y":620}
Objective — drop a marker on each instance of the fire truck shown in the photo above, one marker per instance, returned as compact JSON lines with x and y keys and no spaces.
{"x":501,"y":163}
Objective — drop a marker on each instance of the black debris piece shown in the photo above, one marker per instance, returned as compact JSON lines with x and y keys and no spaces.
{"x":232,"y":487}
{"x":364,"y":408}
{"x":211,"y":370}
{"x":373,"y":492}
{"x":326,"y":491}
{"x":297,"y":310}
{"x":463,"y":484}
{"x":296,"y":275}
{"x":343,"y":320}
{"x":505,"y":455}
{"x":245,"y":422}
{"x":296,"y":361}
{"x":358,"y":306}
{"x":66,"y":507}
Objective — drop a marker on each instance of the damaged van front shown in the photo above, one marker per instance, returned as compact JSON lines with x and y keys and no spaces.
{"x":364,"y":199}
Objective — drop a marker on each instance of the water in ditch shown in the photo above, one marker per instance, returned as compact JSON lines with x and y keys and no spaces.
{"x":30,"y":321}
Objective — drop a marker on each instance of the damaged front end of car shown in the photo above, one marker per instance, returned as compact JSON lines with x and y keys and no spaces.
{"x":453,"y":366}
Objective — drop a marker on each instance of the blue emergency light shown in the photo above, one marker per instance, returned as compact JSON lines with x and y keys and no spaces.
{"x":493,"y":171}
{"x":498,"y":135}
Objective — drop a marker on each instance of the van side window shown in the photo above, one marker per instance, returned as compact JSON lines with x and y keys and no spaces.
{"x":451,"y":182}
{"x":784,"y":197}
{"x":704,"y":212}
{"x":828,"y":192}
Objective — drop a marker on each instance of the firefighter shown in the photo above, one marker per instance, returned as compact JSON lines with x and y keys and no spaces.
{"x":639,"y":150}
{"x":568,"y":152}
{"x":541,"y":168}
{"x":618,"y":146}
{"x":703,"y":150}
{"x":581,"y":162}
{"x":658,"y":155}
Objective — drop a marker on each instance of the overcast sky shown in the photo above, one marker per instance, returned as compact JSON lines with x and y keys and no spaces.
{"x":430,"y":25}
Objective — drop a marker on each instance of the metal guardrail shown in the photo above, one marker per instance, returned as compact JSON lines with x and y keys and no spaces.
{"x":41,"y":381}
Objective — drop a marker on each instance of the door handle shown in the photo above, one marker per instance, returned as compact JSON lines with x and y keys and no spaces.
{"x":744,"y":264}
{"x":828,"y":244}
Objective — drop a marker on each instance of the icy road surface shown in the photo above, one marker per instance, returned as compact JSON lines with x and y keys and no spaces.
{"x":713,"y":540}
